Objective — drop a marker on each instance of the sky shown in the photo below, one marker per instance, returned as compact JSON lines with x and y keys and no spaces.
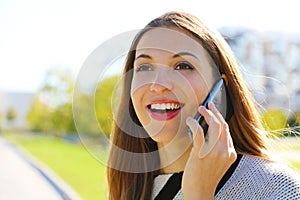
{"x":37,"y":35}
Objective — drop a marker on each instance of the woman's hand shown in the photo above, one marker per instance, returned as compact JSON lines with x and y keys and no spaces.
{"x":210,"y":157}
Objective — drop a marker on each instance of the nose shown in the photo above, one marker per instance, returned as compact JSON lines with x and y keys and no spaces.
{"x":162,"y":81}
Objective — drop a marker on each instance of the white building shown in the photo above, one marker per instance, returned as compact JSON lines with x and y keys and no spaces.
{"x":20,"y":103}
{"x":270,"y":63}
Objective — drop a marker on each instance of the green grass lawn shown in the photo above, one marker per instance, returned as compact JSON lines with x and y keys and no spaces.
{"x":288,"y":149}
{"x":72,"y":162}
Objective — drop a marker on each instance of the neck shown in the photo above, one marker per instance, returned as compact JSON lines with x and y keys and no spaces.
{"x":174,"y":155}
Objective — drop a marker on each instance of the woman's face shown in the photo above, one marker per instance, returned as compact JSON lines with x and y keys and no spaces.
{"x":172,"y":76}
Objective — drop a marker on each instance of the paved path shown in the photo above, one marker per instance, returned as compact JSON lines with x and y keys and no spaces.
{"x":21,"y":178}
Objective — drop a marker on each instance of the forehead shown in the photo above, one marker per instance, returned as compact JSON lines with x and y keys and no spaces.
{"x":170,"y":40}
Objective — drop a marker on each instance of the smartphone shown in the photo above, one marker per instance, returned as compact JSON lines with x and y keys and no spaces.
{"x":210,"y":97}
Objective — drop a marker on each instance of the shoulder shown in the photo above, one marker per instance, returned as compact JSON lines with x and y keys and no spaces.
{"x":263,"y":178}
{"x":268,"y":168}
{"x":282,"y":181}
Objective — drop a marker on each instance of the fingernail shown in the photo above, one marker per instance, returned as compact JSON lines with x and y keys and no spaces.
{"x":202,"y":108}
{"x":212,"y":106}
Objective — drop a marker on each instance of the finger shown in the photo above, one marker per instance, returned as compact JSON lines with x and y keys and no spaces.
{"x":224,"y":125}
{"x":215,"y":125}
{"x":212,"y":137}
{"x":198,"y":135}
{"x":207,"y":114}
{"x":216,"y":112}
{"x":213,"y":134}
{"x":227,"y":142}
{"x":225,"y":136}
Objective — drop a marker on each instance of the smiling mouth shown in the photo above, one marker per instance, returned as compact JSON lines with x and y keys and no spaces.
{"x":164,"y":107}
{"x":164,"y":111}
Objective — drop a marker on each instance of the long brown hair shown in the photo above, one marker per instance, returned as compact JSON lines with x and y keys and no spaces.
{"x":244,"y":123}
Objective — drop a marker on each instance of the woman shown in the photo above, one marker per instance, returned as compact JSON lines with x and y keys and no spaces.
{"x":172,"y":65}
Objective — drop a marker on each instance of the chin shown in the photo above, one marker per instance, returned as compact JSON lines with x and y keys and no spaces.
{"x":161,"y":135}
{"x":167,"y":137}
{"x":162,"y":138}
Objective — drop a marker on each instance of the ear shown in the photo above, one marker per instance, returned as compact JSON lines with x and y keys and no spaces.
{"x":225,"y":79}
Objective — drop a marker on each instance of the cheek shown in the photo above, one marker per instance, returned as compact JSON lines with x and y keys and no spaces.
{"x":137,"y":90}
{"x":142,"y":80}
{"x":199,"y":89}
{"x":137,"y":96}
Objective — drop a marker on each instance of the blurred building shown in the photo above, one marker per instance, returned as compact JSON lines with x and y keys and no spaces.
{"x":19,"y":104}
{"x":270,"y":63}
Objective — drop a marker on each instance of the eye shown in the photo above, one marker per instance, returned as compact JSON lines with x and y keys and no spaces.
{"x":144,"y":67}
{"x":184,"y":66}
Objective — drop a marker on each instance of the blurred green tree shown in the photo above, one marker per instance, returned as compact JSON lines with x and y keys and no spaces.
{"x":1,"y":119}
{"x":1,"y":116}
{"x":51,"y":111}
{"x":85,"y":114}
{"x":11,"y":114}
{"x":105,"y":102}
{"x":39,"y":116}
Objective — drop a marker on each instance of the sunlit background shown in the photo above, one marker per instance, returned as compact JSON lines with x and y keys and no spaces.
{"x":43,"y":45}
{"x":38,"y":35}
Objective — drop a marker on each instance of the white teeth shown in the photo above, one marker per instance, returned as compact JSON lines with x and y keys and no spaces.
{"x":168,"y":106}
{"x":165,"y":106}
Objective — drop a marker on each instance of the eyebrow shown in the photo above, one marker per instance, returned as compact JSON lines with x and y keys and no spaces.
{"x":143,"y":56}
{"x":180,"y":54}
